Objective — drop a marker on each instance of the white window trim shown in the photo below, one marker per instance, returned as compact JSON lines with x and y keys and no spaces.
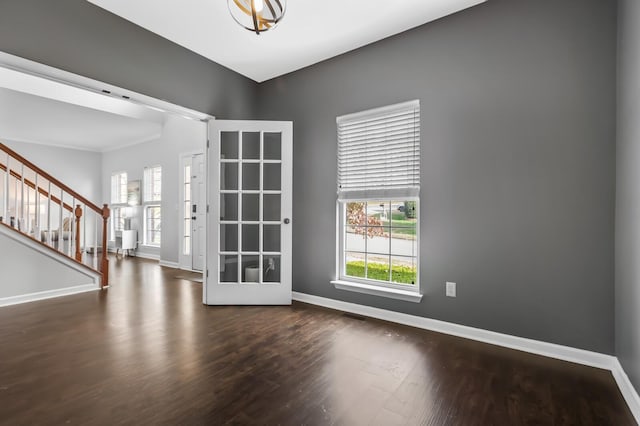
{"x":406,"y":292}
{"x":378,"y":290}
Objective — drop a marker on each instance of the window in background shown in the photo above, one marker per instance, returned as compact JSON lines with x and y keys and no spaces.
{"x":119,"y":188}
{"x":152,"y":206}
{"x":118,"y":199}
{"x":378,"y":196}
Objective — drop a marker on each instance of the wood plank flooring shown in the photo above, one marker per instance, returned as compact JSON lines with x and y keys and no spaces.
{"x":146,"y":351}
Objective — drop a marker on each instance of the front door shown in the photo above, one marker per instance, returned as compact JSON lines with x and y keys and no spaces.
{"x":250,"y":187}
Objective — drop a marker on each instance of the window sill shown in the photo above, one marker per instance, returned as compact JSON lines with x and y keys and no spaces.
{"x":392,"y":293}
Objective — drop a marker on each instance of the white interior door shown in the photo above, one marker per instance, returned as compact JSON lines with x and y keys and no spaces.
{"x":250,"y":166}
{"x":198,"y":211}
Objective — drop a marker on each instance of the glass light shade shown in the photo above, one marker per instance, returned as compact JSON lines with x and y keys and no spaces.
{"x":257,"y":15}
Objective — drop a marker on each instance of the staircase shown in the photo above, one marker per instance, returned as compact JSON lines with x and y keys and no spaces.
{"x":40,"y":207}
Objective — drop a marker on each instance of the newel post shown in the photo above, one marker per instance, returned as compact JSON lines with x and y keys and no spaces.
{"x":78,"y":214}
{"x":105,"y":260}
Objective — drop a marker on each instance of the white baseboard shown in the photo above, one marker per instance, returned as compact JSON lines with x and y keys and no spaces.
{"x":167,"y":264}
{"x":551,"y":350}
{"x":626,"y":388}
{"x":50,"y":294}
{"x":139,"y":254}
{"x":149,"y":256}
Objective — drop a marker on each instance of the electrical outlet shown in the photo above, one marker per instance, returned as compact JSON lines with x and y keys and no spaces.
{"x":451,"y":289}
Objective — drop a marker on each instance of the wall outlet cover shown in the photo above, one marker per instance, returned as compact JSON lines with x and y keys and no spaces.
{"x":451,"y":289}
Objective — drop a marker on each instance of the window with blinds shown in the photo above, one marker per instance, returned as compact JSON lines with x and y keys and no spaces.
{"x":378,"y":200}
{"x":379,"y":152}
{"x":119,"y":188}
{"x":152,"y":184}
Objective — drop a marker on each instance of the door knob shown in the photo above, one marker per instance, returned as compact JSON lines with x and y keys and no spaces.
{"x":286,"y":221}
{"x":193,"y":218}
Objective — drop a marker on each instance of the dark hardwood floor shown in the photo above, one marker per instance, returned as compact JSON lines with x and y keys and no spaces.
{"x":146,"y":351}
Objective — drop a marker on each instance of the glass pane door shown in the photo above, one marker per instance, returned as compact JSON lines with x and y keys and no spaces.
{"x":250,"y":200}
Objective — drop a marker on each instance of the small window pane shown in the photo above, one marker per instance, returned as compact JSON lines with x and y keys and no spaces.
{"x":272,"y":146}
{"x":250,"y":207}
{"x":404,"y":270}
{"x":403,"y":242}
{"x":250,"y":269}
{"x":187,"y":246}
{"x":152,"y":186}
{"x":377,"y":267}
{"x":271,"y":238}
{"x":251,"y":145}
{"x":187,"y":227}
{"x":229,"y":207}
{"x":250,"y":238}
{"x":271,"y":267}
{"x":229,"y":145}
{"x":229,"y":268}
{"x":229,"y":176}
{"x":354,"y":264}
{"x":272,"y":176}
{"x":251,"y":176}
{"x":153,"y":225}
{"x":272,"y":207}
{"x":355,"y":239}
{"x":187,"y":175}
{"x":228,"y":237}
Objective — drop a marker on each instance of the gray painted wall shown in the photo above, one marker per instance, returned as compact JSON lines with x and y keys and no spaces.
{"x":76,"y":36}
{"x":518,"y":156}
{"x":19,"y":276}
{"x":628,"y":197}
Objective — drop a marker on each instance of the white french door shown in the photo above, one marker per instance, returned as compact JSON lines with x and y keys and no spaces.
{"x":250,"y":169}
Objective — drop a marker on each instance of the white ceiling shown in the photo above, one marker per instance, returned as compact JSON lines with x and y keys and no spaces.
{"x":26,"y":117}
{"x":310,"y":32}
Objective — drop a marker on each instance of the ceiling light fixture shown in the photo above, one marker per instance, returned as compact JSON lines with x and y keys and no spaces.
{"x":257,"y":15}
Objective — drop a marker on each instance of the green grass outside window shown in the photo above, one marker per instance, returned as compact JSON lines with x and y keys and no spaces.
{"x":379,"y":271}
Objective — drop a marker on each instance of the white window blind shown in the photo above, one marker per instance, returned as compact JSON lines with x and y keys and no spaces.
{"x":119,"y":188}
{"x":379,"y":152}
{"x":152,"y":184}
